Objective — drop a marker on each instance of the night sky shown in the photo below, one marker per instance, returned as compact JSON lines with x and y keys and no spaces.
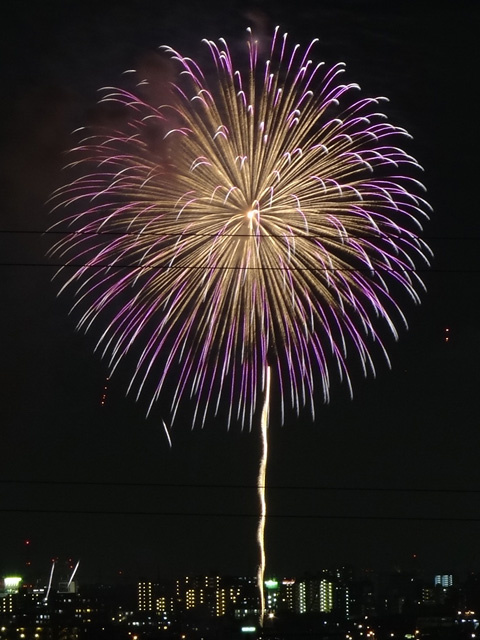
{"x":388,"y":480}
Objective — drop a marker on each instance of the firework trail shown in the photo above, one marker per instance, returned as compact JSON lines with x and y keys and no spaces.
{"x":265,"y":214}
{"x":73,"y":573}
{"x":50,"y":579}
{"x":261,"y":486}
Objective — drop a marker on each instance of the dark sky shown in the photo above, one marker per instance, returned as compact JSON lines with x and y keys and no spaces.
{"x":373,"y":481}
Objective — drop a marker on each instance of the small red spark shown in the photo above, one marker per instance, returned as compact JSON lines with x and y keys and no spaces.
{"x":104,"y":394}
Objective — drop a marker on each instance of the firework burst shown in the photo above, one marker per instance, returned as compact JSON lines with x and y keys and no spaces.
{"x":263,"y":214}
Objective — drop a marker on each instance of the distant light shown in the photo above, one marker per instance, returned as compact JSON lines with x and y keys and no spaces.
{"x":12,"y":583}
{"x":248,"y":629}
{"x":271,"y":584}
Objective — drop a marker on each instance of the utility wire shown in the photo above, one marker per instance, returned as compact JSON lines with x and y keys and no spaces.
{"x":270,"y":516}
{"x":210,"y":235}
{"x":163,"y":485}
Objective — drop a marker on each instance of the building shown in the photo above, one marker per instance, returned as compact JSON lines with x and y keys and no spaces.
{"x":200,"y":592}
{"x":444,"y":580}
{"x":314,"y":595}
{"x":145,"y":596}
{"x":286,"y":600}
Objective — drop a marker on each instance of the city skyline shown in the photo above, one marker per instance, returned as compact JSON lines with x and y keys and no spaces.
{"x":375,"y":480}
{"x":337,"y":603}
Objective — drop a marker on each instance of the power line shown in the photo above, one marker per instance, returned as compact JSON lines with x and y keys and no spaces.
{"x":211,"y":235}
{"x":210,"y":514}
{"x":167,"y":485}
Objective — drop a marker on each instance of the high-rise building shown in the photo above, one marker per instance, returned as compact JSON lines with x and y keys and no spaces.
{"x":247,"y":602}
{"x":7,"y":603}
{"x":326,"y":596}
{"x":164,"y":605}
{"x":199,"y":591}
{"x":341,"y":600}
{"x":443,"y":580}
{"x":145,"y":596}
{"x":314,"y":594}
{"x":287,"y":595}
{"x":272,"y":593}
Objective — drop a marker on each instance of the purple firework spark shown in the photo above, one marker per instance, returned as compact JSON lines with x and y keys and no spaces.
{"x":263,"y":212}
